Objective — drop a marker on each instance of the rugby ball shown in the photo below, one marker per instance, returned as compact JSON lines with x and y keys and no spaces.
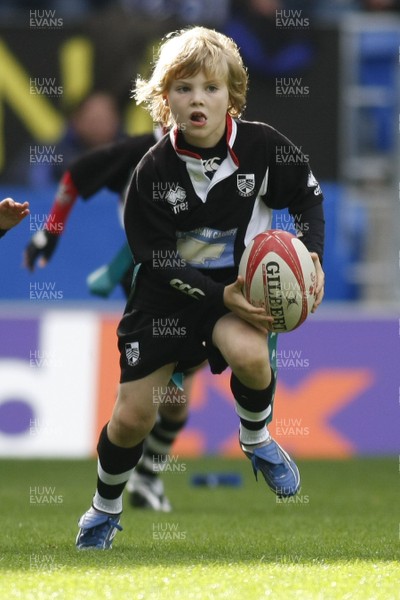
{"x":279,"y":275}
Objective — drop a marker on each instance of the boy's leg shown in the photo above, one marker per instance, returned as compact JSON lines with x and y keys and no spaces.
{"x":272,"y":349}
{"x":119,"y":450}
{"x":145,"y":487}
{"x":252,"y":383}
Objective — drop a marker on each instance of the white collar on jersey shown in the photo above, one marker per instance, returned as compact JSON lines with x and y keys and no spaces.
{"x":194,"y":165}
{"x":231,"y":132}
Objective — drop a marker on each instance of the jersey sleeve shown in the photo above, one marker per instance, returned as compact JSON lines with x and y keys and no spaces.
{"x":310,"y":228}
{"x":151,"y":233}
{"x":292,"y":185}
{"x":109,"y":166}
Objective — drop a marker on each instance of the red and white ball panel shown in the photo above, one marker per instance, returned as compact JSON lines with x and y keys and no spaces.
{"x":279,"y":275}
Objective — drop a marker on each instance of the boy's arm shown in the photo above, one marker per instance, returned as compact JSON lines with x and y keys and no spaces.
{"x":310,"y":228}
{"x":292,"y":185}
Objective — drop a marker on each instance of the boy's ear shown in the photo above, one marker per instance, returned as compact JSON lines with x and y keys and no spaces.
{"x":165,"y":101}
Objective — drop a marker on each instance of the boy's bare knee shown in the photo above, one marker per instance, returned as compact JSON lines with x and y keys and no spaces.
{"x":249,"y":359}
{"x":128,"y":428}
{"x":132,"y":419}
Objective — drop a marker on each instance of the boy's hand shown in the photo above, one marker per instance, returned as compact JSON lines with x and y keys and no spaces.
{"x":319,"y":291}
{"x":237,"y":303}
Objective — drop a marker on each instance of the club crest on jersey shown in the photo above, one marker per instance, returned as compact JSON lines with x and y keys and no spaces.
{"x":176,"y":197}
{"x":246,"y":183}
{"x":132,"y":353}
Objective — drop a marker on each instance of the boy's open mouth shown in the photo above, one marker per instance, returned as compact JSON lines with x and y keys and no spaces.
{"x":198,"y":118}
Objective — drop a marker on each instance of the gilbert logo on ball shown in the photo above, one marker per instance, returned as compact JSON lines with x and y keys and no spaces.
{"x":279,"y":275}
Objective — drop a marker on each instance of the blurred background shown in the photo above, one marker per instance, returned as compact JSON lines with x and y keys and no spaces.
{"x":326,"y":74}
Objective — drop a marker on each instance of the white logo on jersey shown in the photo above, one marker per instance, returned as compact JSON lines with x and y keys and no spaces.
{"x":186,"y":288}
{"x":211,"y":164}
{"x":176,"y":197}
{"x":312,"y":182}
{"x":246,"y":183}
{"x":132,"y":353}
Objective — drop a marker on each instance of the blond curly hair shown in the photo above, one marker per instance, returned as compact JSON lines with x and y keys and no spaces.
{"x":183,"y":54}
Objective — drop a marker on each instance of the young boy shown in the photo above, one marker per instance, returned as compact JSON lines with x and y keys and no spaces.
{"x":195,"y":201}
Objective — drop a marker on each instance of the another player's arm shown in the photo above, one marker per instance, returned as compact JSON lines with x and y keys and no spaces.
{"x":107,"y":166}
{"x":44,"y":242}
{"x":84,"y":177}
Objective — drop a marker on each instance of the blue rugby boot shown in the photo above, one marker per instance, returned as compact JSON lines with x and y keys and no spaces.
{"x":97,"y":530}
{"x":278,"y":469}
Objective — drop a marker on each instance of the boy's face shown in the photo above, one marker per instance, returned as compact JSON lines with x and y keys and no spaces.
{"x":199,"y":105}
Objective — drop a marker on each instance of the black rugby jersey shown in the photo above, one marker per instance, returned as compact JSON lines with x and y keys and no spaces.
{"x":189,"y":232}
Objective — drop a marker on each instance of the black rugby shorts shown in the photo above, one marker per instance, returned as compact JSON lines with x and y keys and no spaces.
{"x":147,"y":342}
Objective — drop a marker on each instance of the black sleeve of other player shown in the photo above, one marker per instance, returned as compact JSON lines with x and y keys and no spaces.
{"x":151,"y":232}
{"x":109,"y":166}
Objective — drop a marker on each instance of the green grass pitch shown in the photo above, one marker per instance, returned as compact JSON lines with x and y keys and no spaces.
{"x":338,"y":540}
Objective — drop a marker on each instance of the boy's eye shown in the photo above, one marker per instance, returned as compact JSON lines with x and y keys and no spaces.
{"x":212,"y":88}
{"x":182,"y":88}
